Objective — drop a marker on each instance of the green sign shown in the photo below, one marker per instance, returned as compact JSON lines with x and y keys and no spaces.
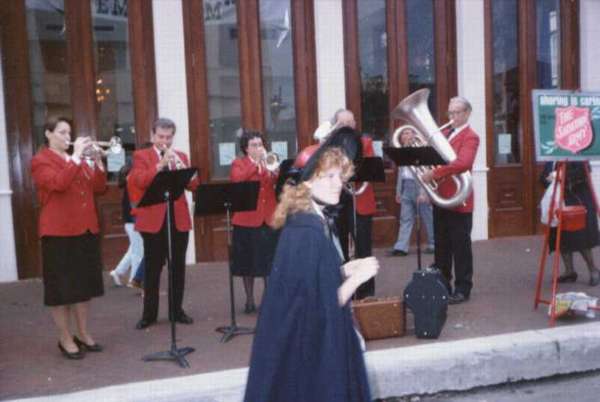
{"x":566,"y":125}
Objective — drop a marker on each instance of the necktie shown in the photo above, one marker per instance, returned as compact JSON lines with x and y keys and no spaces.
{"x":449,"y":133}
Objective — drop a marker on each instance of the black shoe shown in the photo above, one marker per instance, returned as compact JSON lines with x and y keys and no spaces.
{"x":88,"y":348}
{"x":457,"y":298}
{"x":71,"y":355}
{"x":183,"y":318}
{"x":568,"y":277}
{"x":397,"y":253}
{"x":594,"y":277}
{"x":141,"y":324}
{"x":250,"y":308}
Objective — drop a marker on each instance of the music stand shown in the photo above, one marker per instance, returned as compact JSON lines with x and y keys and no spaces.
{"x":415,"y":156}
{"x":167,"y":186}
{"x":228,"y":197}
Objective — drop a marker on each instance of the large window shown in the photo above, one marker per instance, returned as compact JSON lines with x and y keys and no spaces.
{"x":421,"y":48}
{"x":221,"y":41}
{"x":48,"y":67}
{"x":548,"y":43}
{"x":279,"y":106}
{"x":372,"y":39}
{"x":506,"y":81}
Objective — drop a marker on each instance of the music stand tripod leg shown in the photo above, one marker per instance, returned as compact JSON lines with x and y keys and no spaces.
{"x":231,"y":330}
{"x":176,"y":354}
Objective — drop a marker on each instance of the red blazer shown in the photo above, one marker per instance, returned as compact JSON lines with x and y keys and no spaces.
{"x":365,"y":202}
{"x":465,"y":145}
{"x":150,"y":219}
{"x":243,"y":169}
{"x":65,"y":192}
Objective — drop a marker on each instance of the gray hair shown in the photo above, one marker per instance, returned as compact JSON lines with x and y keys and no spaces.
{"x":464,"y":102}
{"x":337,"y":113}
{"x":164,"y":123}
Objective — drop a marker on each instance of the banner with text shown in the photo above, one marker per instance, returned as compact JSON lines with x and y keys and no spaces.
{"x":566,"y":125}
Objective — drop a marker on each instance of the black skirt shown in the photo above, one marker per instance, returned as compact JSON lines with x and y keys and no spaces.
{"x":72,"y":269}
{"x":253,"y":250}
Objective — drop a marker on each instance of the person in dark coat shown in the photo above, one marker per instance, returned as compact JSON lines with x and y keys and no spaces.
{"x":577,"y":192}
{"x":306,"y":347}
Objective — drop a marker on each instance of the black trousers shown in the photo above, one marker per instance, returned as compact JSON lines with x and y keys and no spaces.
{"x":362,"y":243}
{"x":155,"y":255}
{"x":452,"y":233}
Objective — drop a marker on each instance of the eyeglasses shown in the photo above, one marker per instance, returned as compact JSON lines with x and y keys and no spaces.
{"x":255,"y":144}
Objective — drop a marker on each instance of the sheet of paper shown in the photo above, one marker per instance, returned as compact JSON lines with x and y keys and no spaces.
{"x":226,"y":153}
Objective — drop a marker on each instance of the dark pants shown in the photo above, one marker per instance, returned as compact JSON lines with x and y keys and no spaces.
{"x":452,"y":232}
{"x":362,"y":242}
{"x":155,"y":255}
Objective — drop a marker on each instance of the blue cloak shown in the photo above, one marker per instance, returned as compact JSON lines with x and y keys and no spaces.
{"x":305,"y":348}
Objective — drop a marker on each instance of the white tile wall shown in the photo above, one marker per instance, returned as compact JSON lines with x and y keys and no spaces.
{"x":171,"y":79}
{"x":8,"y":262}
{"x":471,"y":85}
{"x":329,"y":34}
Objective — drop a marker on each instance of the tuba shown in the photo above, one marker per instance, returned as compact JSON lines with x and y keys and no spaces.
{"x":413,"y":109}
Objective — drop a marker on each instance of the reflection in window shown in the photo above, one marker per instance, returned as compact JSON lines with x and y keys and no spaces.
{"x":372,"y":39}
{"x":223,"y":80}
{"x":114,"y":93}
{"x":49,"y":72}
{"x":506,"y":81}
{"x":278,"y":76}
{"x":548,"y":43}
{"x":420,"y":39}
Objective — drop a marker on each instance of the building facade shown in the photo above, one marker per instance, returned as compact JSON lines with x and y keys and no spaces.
{"x":282,"y":67}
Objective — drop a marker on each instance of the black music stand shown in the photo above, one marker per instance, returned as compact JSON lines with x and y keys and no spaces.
{"x":228,"y":197}
{"x":168,"y":186}
{"x":415,"y":156}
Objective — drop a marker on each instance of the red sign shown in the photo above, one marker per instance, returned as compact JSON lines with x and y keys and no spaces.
{"x":573,"y":128}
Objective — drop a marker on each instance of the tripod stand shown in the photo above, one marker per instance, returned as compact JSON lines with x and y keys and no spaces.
{"x":228,"y":198}
{"x":168,"y":186}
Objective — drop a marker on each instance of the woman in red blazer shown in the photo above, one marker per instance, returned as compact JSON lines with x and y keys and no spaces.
{"x":68,"y":227}
{"x":253,"y":240}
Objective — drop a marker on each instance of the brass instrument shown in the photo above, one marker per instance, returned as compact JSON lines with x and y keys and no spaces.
{"x":413,"y":109}
{"x":179,"y":164}
{"x":271,"y":160}
{"x":114,"y":146}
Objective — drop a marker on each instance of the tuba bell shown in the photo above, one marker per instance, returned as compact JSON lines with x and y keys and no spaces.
{"x":413,"y":110}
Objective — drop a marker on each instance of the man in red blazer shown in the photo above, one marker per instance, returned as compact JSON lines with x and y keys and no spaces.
{"x":365,"y":208}
{"x":452,"y":227}
{"x":152,"y":224}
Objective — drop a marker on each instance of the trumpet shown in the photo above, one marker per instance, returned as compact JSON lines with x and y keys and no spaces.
{"x":272,"y":161}
{"x":114,"y":146}
{"x":179,"y":164}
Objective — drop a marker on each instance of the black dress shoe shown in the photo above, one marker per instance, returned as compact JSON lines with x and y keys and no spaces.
{"x":568,"y":277}
{"x":397,"y":253}
{"x":141,"y":324}
{"x":594,"y":277}
{"x":183,"y":318}
{"x":250,"y":308}
{"x":88,"y":348}
{"x":71,"y":355}
{"x":457,"y":298}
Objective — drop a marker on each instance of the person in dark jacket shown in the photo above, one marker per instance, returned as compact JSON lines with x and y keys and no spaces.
{"x":577,"y":192}
{"x":306,"y":347}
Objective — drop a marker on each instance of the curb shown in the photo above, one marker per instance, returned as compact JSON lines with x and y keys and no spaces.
{"x":423,"y":369}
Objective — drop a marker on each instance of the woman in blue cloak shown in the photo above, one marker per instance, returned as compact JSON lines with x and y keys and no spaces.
{"x":306,"y":348}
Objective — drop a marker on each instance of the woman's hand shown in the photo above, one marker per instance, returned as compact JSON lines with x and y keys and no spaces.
{"x":356,"y":272}
{"x":80,"y":145}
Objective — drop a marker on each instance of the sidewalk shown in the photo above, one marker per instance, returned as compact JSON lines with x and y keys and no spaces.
{"x":495,"y":337}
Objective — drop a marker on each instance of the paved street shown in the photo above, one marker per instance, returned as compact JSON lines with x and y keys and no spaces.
{"x":571,"y":388}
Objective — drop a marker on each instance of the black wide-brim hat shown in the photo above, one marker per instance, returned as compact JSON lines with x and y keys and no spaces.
{"x":345,"y":138}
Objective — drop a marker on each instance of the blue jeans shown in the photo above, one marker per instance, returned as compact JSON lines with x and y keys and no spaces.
{"x":408,"y":211}
{"x":139,"y":273}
